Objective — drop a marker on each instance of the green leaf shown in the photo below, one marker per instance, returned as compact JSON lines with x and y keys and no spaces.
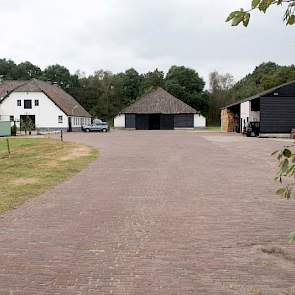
{"x":281,"y":191}
{"x":264,"y":5}
{"x":284,"y":166}
{"x":287,"y":193}
{"x":280,"y":155}
{"x":237,"y":20}
{"x":291,"y":237}
{"x":236,"y":17}
{"x":287,"y":153}
{"x":232,"y":15}
{"x":255,"y":3}
{"x":246,"y":19}
{"x":291,"y":20}
{"x":290,"y":170}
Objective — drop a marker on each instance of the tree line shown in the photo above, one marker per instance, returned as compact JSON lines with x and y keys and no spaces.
{"x":104,"y":94}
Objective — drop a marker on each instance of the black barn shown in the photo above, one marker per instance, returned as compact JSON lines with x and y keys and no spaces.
{"x":273,"y":109}
{"x":159,"y":110}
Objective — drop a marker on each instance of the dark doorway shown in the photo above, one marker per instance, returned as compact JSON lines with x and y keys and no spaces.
{"x":154,"y":122}
{"x":70,"y":124}
{"x":27,"y":122}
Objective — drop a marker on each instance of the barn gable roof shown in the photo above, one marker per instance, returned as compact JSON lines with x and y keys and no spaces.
{"x":61,"y":98}
{"x":159,"y":101}
{"x":264,"y":93}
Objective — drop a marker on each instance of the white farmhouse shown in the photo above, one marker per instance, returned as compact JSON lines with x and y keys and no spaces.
{"x":47,"y":105}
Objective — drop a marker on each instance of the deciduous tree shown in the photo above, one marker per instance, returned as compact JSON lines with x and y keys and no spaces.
{"x":61,"y":75}
{"x":219,"y":86}
{"x":153,"y":79}
{"x":187,"y":85}
{"x":27,"y":70}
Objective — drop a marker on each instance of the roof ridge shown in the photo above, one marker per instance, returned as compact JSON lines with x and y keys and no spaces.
{"x":35,"y":82}
{"x":259,"y":94}
{"x":20,"y":85}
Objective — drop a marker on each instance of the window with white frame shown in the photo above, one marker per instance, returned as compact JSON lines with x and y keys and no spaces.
{"x":19,"y":103}
{"x":60,"y":119}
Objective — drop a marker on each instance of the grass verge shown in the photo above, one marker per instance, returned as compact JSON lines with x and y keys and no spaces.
{"x":213,"y":128}
{"x":35,"y":165}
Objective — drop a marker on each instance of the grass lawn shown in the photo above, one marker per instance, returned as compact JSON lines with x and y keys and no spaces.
{"x":213,"y":128}
{"x":35,"y":165}
{"x":209,"y":128}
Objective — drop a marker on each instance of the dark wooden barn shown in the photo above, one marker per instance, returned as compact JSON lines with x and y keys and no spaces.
{"x":273,"y":109}
{"x":159,"y":110}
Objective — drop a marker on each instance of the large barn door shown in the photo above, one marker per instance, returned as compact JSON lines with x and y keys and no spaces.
{"x":167,"y":122}
{"x":277,"y":114}
{"x":142,"y":122}
{"x":154,"y":122}
{"x":130,"y":121}
{"x":184,"y":121}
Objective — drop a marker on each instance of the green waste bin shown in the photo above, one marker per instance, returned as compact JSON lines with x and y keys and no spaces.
{"x":5,"y":128}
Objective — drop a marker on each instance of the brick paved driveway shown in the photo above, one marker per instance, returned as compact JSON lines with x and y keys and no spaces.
{"x":157,"y":213}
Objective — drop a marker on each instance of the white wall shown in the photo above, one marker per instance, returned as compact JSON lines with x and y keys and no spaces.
{"x":46,"y":114}
{"x":199,"y":121}
{"x":245,"y":113}
{"x":119,"y":121}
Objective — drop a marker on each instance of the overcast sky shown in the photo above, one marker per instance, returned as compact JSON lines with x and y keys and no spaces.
{"x":144,"y":34}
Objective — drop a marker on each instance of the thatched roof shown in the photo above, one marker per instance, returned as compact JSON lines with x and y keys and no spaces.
{"x":7,"y":86}
{"x":61,"y":98}
{"x":159,"y":101}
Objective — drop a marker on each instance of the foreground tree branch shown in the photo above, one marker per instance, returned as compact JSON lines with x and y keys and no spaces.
{"x":243,"y":16}
{"x":286,"y":174}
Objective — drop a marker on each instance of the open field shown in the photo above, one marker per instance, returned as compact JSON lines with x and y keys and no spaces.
{"x":35,"y":165}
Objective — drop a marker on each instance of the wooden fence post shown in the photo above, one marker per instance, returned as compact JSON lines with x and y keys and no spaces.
{"x":8,"y":147}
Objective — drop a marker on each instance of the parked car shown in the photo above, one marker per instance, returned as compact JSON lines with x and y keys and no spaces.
{"x":96,"y":127}
{"x":252,"y":129}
